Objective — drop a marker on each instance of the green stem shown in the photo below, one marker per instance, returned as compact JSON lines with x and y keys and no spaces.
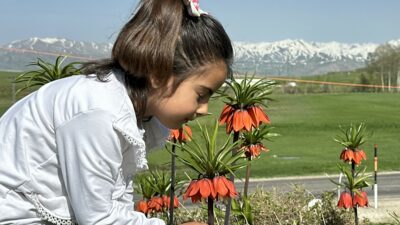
{"x":172,"y":190}
{"x":246,"y":182}
{"x":210,"y":203}
{"x":353,"y":168}
{"x":229,"y":204}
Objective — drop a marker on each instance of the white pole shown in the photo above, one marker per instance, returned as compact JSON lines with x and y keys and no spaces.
{"x":376,"y":196}
{"x":338,"y":190}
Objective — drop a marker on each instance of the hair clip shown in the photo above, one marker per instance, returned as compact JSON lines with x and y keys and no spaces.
{"x":194,"y":8}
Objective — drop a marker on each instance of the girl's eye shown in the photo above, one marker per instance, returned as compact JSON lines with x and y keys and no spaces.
{"x":201,"y":98}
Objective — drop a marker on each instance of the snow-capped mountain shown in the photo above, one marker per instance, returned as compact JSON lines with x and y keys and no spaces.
{"x":286,"y":57}
{"x":64,"y":46}
{"x":298,"y":57}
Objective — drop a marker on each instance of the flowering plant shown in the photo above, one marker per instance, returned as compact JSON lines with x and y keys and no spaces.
{"x":243,"y":112}
{"x":252,"y":146}
{"x":243,"y":103}
{"x":211,"y":162}
{"x":353,"y":137}
{"x":353,"y":195}
{"x":252,"y":141}
{"x":154,"y":186}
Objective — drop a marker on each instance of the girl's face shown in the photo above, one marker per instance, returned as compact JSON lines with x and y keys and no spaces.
{"x":190,"y":99}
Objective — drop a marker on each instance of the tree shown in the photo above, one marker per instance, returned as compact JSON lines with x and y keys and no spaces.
{"x":385,"y":61}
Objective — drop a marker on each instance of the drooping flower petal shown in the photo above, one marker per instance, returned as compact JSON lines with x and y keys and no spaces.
{"x":358,"y":156}
{"x":167,"y":201}
{"x":181,"y":135}
{"x":345,"y":200}
{"x":253,"y":114}
{"x":220,"y":187}
{"x":261,"y":115}
{"x":205,"y":188}
{"x":231,"y":187}
{"x":347,"y":155}
{"x":238,"y":120}
{"x":226,"y":112}
{"x":360,"y":200}
{"x":142,"y":206}
{"x":192,"y":190}
{"x":247,"y":121}
{"x":258,"y":116}
{"x":156,"y":203}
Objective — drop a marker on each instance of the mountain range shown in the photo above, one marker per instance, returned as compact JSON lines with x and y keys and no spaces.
{"x":285,"y":58}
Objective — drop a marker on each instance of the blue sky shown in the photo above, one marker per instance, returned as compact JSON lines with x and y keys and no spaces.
{"x":348,"y":21}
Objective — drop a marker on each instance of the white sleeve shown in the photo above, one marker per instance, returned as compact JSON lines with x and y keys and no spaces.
{"x":90,"y":159}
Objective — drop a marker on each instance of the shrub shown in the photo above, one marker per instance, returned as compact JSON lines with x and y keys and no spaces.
{"x":298,"y":207}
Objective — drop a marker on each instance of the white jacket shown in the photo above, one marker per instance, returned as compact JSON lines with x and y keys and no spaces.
{"x":68,"y":152}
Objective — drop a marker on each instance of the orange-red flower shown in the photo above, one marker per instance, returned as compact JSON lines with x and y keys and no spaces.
{"x":242,"y":119}
{"x":142,"y":206}
{"x":181,"y":135}
{"x":345,"y":200}
{"x":200,"y":189}
{"x":156,"y":204}
{"x":360,"y":200}
{"x":224,"y":187}
{"x":258,"y":116}
{"x":358,"y":156}
{"x":254,"y":150}
{"x":347,"y":155}
{"x":167,"y":201}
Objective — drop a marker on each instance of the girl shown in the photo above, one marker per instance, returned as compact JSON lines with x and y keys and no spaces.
{"x":69,"y":149}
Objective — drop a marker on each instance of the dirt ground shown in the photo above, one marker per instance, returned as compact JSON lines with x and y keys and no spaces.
{"x":381,"y":214}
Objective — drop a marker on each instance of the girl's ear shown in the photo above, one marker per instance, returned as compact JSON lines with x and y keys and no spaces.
{"x":154,"y":82}
{"x":160,"y":86}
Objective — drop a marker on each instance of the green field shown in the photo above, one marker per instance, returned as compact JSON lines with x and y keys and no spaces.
{"x":6,"y":90}
{"x":307,"y":124}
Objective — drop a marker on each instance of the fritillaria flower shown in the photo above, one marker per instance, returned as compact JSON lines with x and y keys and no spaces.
{"x":345,"y":200}
{"x":242,"y":119}
{"x":243,"y":103}
{"x":180,"y":135}
{"x":349,"y":155}
{"x":254,"y":150}
{"x":200,"y":189}
{"x":142,"y":206}
{"x":360,"y":199}
{"x":208,"y":158}
{"x":352,"y":138}
{"x":218,"y":187}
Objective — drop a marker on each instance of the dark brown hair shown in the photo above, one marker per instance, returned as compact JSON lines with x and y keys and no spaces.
{"x":163,"y":40}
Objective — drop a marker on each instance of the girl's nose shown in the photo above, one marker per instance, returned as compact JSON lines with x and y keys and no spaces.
{"x":202,"y":110}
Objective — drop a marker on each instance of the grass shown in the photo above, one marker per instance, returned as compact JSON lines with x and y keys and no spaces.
{"x":307,"y":124}
{"x":6,"y":90}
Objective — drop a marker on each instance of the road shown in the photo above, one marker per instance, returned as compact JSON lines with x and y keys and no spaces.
{"x":388,"y":184}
